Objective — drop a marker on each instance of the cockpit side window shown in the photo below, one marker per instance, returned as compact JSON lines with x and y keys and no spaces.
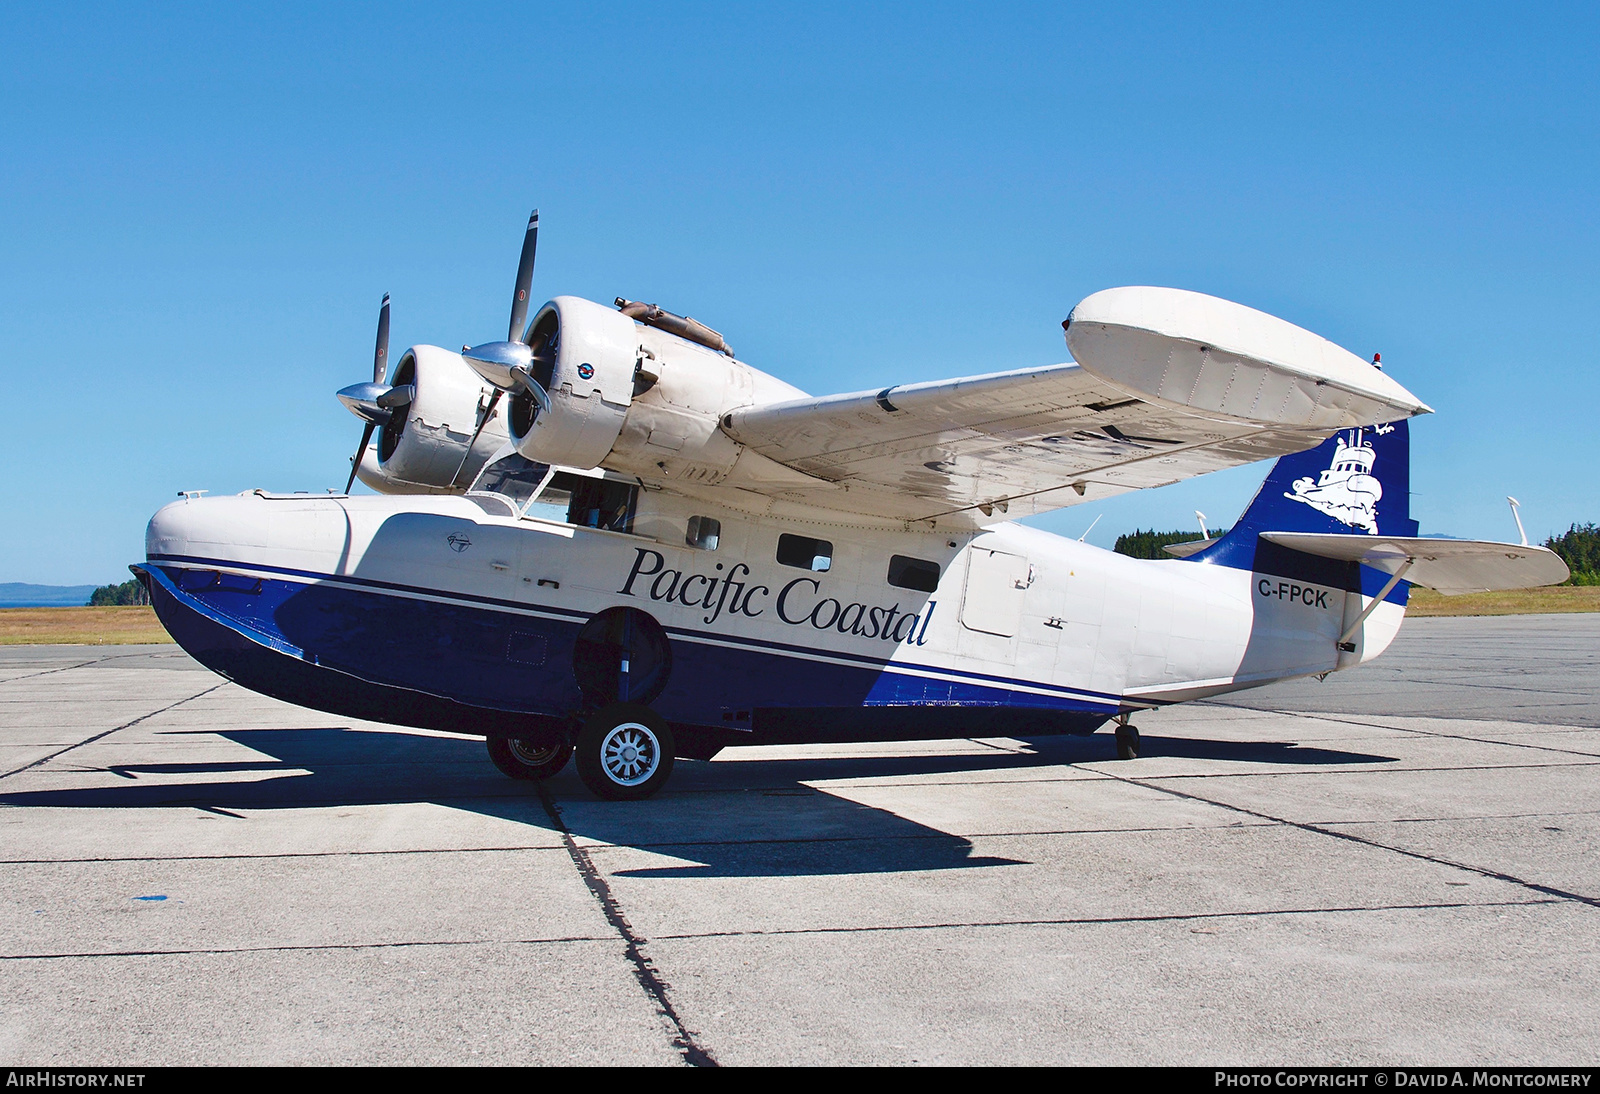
{"x":597,"y":503}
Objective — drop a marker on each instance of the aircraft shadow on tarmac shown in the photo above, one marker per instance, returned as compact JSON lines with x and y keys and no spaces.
{"x":749,"y":818}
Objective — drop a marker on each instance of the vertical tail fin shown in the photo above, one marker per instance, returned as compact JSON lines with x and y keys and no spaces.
{"x":1358,"y":481}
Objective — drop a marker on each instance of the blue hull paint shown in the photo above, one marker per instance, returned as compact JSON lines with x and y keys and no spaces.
{"x":371,"y":653}
{"x":233,"y":651}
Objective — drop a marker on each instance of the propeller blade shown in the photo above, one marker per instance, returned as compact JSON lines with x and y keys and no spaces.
{"x":355,"y":464}
{"x":380,"y":353}
{"x":488,"y":413}
{"x":519,"y":299}
{"x":541,"y":398}
{"x":397,"y":397}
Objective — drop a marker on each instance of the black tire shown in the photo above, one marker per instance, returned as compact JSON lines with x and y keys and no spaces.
{"x":625,"y":752}
{"x":1127,"y":743}
{"x":522,"y":758}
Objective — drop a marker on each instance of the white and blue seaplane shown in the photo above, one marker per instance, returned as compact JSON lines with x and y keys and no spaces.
{"x":607,"y":535}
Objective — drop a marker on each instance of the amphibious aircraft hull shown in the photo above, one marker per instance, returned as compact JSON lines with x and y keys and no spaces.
{"x":481,"y":665}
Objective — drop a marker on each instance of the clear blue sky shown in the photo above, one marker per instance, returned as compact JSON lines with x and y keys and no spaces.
{"x":201,"y":206}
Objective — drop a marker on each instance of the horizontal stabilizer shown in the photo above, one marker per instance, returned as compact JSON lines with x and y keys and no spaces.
{"x":1451,"y":566}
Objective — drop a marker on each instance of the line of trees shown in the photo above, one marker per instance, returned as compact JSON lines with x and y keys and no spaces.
{"x":1142,"y":544}
{"x":129,"y":592}
{"x":1579,"y":548}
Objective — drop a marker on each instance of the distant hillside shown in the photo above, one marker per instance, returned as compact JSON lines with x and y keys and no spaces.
{"x":16,"y":594}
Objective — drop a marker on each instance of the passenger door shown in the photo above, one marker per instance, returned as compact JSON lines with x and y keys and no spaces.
{"x":997,"y":583}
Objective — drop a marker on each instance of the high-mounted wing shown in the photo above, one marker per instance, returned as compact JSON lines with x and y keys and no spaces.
{"x":1169,"y":385}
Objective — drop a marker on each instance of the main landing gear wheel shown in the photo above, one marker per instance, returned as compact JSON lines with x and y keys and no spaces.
{"x":624,"y":752}
{"x":1127,"y":743}
{"x":522,"y":758}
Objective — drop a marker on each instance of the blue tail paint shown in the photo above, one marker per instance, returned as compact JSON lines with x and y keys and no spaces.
{"x":1357,"y":482}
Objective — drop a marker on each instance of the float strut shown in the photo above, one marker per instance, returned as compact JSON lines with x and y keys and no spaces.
{"x":1344,"y":639}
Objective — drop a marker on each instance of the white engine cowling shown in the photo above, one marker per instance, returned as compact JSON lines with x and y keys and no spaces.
{"x":585,"y":356}
{"x":421,"y":448}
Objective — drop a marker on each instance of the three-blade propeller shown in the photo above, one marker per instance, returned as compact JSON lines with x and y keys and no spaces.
{"x":506,"y":365}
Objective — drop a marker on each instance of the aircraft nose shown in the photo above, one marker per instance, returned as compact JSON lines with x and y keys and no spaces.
{"x":201,"y":527}
{"x":172,"y":529}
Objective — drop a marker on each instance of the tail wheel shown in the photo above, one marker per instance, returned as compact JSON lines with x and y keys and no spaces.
{"x":523,"y":758}
{"x":1127,"y":743}
{"x":625,"y":752}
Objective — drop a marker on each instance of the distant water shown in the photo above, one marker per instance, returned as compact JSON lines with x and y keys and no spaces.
{"x":16,"y":594}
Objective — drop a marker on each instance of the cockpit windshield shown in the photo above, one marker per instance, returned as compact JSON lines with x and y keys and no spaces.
{"x":514,"y":477}
{"x":541,"y":492}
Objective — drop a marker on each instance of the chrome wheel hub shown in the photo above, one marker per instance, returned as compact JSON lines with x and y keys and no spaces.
{"x":630,"y":754}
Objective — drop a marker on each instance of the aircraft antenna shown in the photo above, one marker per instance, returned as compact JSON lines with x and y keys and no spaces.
{"x":1516,"y":516}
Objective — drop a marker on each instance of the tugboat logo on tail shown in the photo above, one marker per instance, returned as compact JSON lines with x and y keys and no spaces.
{"x":1347,"y":490}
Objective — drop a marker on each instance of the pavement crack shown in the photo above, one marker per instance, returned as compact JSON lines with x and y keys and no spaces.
{"x":644,"y":970}
{"x":1347,"y":721}
{"x":76,"y":665}
{"x":1112,"y":920}
{"x":1305,"y":826}
{"x":1350,"y":769}
{"x":247,"y":856}
{"x":101,"y":736}
{"x":310,"y":947}
{"x":63,"y":668}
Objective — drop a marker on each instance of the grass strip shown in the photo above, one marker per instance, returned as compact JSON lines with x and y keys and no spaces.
{"x":120,"y":626}
{"x":1552,"y":598}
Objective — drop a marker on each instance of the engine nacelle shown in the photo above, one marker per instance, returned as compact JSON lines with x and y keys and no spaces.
{"x":585,"y":357}
{"x":423,"y":446}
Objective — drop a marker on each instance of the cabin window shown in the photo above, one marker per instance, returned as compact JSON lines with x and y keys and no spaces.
{"x":913,"y":573}
{"x":704,"y":533}
{"x":805,"y":552}
{"x":598,"y":503}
